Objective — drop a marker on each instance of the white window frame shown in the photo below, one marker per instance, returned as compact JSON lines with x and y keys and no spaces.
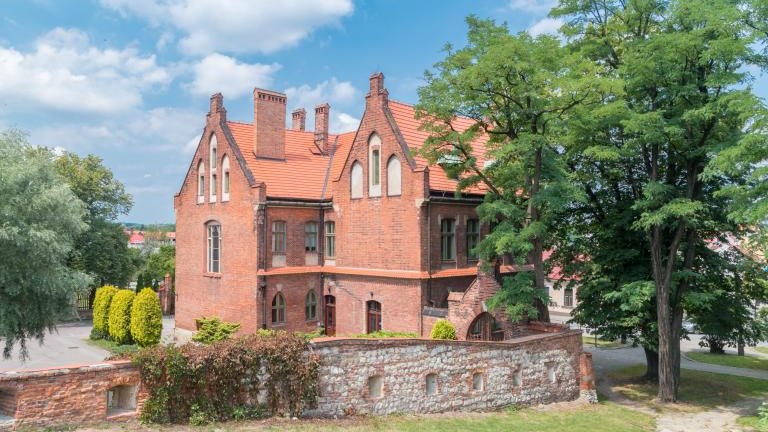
{"x":356,"y":174}
{"x":200,"y":182}
{"x":213,"y":249}
{"x":374,"y":167}
{"x":213,"y":154}
{"x":225,"y":180}
{"x":394,"y":169}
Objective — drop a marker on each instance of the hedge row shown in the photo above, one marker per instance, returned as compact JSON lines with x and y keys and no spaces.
{"x":124,"y":317}
{"x":204,"y":383}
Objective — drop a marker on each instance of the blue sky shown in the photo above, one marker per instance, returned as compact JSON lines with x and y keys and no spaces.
{"x":129,"y":80}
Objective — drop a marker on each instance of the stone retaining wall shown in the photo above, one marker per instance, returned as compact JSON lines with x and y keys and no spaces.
{"x":357,"y":376}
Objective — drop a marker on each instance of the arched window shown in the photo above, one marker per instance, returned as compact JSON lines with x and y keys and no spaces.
{"x":225,"y":178}
{"x":373,"y":321}
{"x":310,"y":310}
{"x":213,"y":260}
{"x":393,"y":176}
{"x":213,"y":161}
{"x":374,"y":165}
{"x":200,"y":182}
{"x":357,"y":180}
{"x":278,"y":309}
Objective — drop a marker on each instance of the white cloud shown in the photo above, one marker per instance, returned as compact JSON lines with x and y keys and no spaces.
{"x":220,"y":73}
{"x":331,"y":91}
{"x":343,"y":122}
{"x":64,"y":72}
{"x":533,"y":6}
{"x":237,"y":26}
{"x":548,"y":26}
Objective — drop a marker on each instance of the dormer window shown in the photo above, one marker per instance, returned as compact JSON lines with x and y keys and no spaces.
{"x":374,"y":166}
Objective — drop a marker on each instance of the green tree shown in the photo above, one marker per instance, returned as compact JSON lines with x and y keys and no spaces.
{"x":40,"y":218}
{"x":686,"y":99}
{"x":101,"y":251}
{"x":517,"y":92}
{"x":160,"y":263}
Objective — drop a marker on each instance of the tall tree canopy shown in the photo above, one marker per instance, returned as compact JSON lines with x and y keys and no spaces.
{"x":518,"y":91}
{"x":40,"y":218}
{"x":685,"y":105}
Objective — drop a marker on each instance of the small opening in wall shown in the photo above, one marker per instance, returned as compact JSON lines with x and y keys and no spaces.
{"x":121,"y":400}
{"x":517,"y":377}
{"x":431,"y":384}
{"x":477,"y":381}
{"x":551,"y":372}
{"x":375,"y":386}
{"x":7,"y":407}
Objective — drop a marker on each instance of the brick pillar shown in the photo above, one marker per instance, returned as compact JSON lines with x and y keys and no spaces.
{"x":299,"y":119}
{"x":321,"y":127}
{"x":587,"y":385}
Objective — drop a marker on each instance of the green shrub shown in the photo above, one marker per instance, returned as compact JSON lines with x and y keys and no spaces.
{"x":201,"y":384}
{"x":101,"y":303}
{"x":212,"y":329}
{"x":146,"y":318}
{"x":443,"y":329}
{"x":311,"y":335}
{"x":384,"y":334}
{"x":120,"y":317}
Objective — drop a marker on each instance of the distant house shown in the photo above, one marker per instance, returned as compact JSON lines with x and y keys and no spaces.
{"x":136,"y":239}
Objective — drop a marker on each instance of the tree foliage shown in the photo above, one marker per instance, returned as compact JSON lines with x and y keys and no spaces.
{"x":40,"y":218}
{"x":515,"y":91}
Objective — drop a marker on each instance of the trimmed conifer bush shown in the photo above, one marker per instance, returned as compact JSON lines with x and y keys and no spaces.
{"x":101,"y":303}
{"x":443,"y":329}
{"x":146,"y":318}
{"x":212,"y":329}
{"x":120,"y":317}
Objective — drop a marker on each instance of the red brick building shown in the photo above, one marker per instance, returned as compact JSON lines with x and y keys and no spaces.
{"x":297,"y":229}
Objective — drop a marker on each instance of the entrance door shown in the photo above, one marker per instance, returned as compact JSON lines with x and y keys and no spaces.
{"x":329,"y":307}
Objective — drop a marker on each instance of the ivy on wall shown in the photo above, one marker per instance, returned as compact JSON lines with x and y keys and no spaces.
{"x":245,"y":377}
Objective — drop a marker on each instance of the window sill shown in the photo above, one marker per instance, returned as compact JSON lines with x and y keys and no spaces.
{"x":212,"y":275}
{"x":278,"y":325}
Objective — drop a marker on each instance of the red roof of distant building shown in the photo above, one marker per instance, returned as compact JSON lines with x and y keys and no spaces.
{"x":136,"y":237}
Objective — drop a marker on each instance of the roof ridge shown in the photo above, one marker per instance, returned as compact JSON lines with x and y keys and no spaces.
{"x":239,"y":122}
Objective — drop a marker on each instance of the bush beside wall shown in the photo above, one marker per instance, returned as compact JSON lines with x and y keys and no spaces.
{"x":224,"y":380}
{"x":120,"y":317}
{"x":146,"y":318}
{"x":101,"y":303}
{"x":443,"y":329}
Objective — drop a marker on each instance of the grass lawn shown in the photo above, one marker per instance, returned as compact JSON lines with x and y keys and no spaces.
{"x":698,"y":390}
{"x":112,"y":347}
{"x":762,"y":349}
{"x":601,"y":343}
{"x":748,"y":362}
{"x":751,"y":422}
{"x":603,"y":417}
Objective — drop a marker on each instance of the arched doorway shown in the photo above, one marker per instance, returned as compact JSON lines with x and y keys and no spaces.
{"x":485,"y":328}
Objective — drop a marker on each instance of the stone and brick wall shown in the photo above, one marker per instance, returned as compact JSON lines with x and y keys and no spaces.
{"x":357,"y":376}
{"x":76,"y":394}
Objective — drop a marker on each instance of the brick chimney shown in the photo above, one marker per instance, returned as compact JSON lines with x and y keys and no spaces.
{"x":377,"y":94}
{"x":269,"y":124}
{"x":217,"y":107}
{"x":299,"y":119}
{"x":321,"y":127}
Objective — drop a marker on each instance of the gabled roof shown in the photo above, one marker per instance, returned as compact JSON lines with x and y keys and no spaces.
{"x":405,"y":118}
{"x":302,"y":174}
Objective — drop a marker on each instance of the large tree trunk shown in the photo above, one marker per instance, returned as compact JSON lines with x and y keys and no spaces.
{"x":538,"y":247}
{"x":651,"y":365}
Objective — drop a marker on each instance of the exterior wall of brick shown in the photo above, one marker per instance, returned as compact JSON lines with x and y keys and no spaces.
{"x":234,"y":291}
{"x":294,"y":289}
{"x":400,"y":307}
{"x":66,"y":395}
{"x":459,"y":213}
{"x":543,"y":368}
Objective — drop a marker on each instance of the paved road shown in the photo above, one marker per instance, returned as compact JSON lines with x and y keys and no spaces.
{"x":64,"y":347}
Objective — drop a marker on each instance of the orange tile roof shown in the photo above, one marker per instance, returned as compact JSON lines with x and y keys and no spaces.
{"x":404,"y":115}
{"x":301,"y":175}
